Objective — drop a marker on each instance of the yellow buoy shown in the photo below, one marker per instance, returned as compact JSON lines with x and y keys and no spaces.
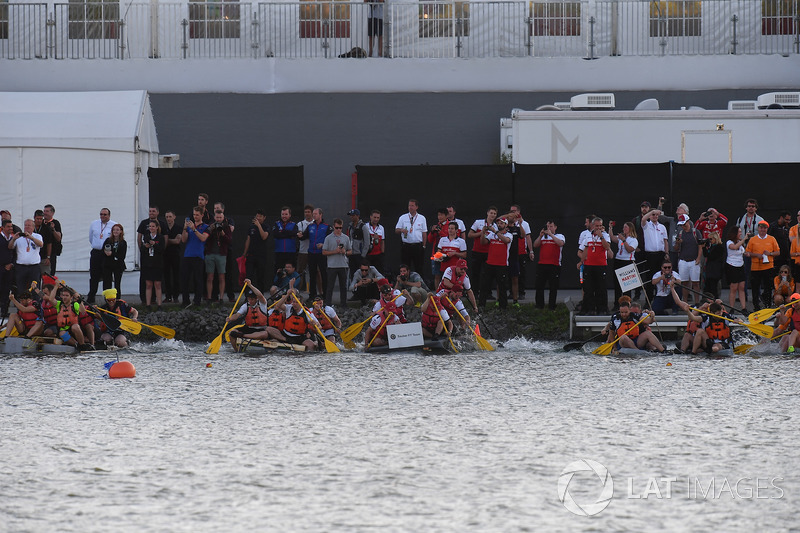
{"x":208,"y":365}
{"x":122,"y":369}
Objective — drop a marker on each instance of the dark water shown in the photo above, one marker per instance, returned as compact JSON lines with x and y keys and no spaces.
{"x":357,"y":442}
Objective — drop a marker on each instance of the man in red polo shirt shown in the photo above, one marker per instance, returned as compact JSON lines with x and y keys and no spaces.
{"x":550,"y":244}
{"x":594,"y":249}
{"x":496,"y":268}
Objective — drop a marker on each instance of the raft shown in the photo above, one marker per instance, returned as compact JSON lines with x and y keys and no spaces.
{"x":259,"y":347}
{"x":38,"y":345}
{"x":441,"y":345}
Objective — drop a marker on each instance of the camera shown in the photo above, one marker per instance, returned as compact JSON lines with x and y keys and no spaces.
{"x":107,"y":247}
{"x":218,"y":225}
{"x":284,"y":273}
{"x":708,"y":213}
{"x":341,"y":245}
{"x":702,"y":242}
{"x":403,"y":278}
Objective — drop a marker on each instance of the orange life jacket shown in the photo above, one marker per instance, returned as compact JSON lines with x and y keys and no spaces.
{"x":296,"y":324}
{"x":692,"y":327}
{"x":718,"y":330}
{"x":276,"y":319}
{"x":324,"y":322}
{"x":67,"y":315}
{"x":255,"y":318}
{"x":625,"y":326}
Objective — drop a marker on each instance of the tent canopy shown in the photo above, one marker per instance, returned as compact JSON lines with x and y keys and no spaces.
{"x":80,"y":152}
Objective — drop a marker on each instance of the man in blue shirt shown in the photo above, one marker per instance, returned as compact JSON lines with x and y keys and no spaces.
{"x":316,"y":233}
{"x":195,"y":233}
{"x":285,"y":234}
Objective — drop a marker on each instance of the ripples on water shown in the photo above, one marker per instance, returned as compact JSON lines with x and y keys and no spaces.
{"x":402,"y":442}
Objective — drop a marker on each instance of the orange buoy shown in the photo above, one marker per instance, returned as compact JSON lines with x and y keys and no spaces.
{"x":122,"y":369}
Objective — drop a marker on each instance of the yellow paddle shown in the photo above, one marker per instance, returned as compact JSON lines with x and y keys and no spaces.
{"x":349,"y":345}
{"x":741,"y":349}
{"x":375,"y":336}
{"x":606,"y":348}
{"x":483,"y":344}
{"x":444,"y":326}
{"x":351,"y":332}
{"x":14,"y":333}
{"x":161,"y":331}
{"x":756,"y":317}
{"x":130,"y":326}
{"x":217,"y":342}
{"x":762,"y":330}
{"x":329,"y":346}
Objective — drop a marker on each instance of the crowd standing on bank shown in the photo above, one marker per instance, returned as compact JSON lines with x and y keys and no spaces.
{"x":190,"y":260}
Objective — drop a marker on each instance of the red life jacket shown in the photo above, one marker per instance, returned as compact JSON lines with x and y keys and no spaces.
{"x":296,"y":324}
{"x":430,"y":318}
{"x":28,"y":318}
{"x":391,"y":307}
{"x":255,"y":318}
{"x":718,"y":330}
{"x":49,"y":314}
{"x":692,"y":327}
{"x":276,"y":319}
{"x":322,"y":317}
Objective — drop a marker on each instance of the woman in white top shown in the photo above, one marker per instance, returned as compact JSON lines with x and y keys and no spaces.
{"x":734,"y":266}
{"x":626,"y":247}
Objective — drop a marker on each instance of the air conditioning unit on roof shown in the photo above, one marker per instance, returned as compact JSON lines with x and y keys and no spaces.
{"x":589,"y":101}
{"x":742,"y":105}
{"x":790,"y":100}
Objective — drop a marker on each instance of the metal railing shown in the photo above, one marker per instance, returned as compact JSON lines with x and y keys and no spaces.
{"x":410,"y":29}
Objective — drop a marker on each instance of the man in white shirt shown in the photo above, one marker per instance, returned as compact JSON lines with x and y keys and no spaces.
{"x":99,"y":231}
{"x":413,"y":230}
{"x":656,"y":244}
{"x":27,"y":245}
{"x":663,"y":281}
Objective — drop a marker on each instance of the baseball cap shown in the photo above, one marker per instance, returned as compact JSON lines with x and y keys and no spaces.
{"x":682,"y":219}
{"x":461,"y":263}
{"x":387,"y":288}
{"x":645,"y":204}
{"x":353,"y":212}
{"x":763,"y":223}
{"x":504,"y":220}
{"x":250,"y":294}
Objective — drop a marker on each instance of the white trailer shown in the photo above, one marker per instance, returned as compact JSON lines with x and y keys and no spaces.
{"x":686,"y":136}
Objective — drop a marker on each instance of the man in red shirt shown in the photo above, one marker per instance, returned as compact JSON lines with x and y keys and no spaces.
{"x":711,"y":221}
{"x":594,"y":249}
{"x":496,"y":268}
{"x":550,"y":244}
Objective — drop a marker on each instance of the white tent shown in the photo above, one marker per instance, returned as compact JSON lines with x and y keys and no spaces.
{"x":80,"y":151}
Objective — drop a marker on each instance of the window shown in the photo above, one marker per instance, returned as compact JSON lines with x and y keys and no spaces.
{"x":779,"y":17}
{"x":97,"y":19}
{"x":556,"y":18}
{"x":324,"y":19}
{"x":675,"y":19}
{"x":3,"y":19}
{"x":214,"y":20}
{"x":444,"y":20}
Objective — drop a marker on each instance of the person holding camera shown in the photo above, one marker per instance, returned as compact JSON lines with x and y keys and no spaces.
{"x":688,"y":246}
{"x":285,"y":279}
{"x":26,"y":244}
{"x":710,"y":221}
{"x":194,"y":236}
{"x":594,"y":251}
{"x":115,"y":249}
{"x":364,"y":283}
{"x":664,"y":280}
{"x":98,"y":233}
{"x":412,"y":283}
{"x":6,"y":265}
{"x":656,"y":244}
{"x":336,"y":248}
{"x":216,"y":252}
{"x":734,"y":267}
{"x":548,"y":271}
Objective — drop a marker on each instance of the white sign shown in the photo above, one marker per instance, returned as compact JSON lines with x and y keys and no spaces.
{"x":405,"y":335}
{"x":628,"y":277}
